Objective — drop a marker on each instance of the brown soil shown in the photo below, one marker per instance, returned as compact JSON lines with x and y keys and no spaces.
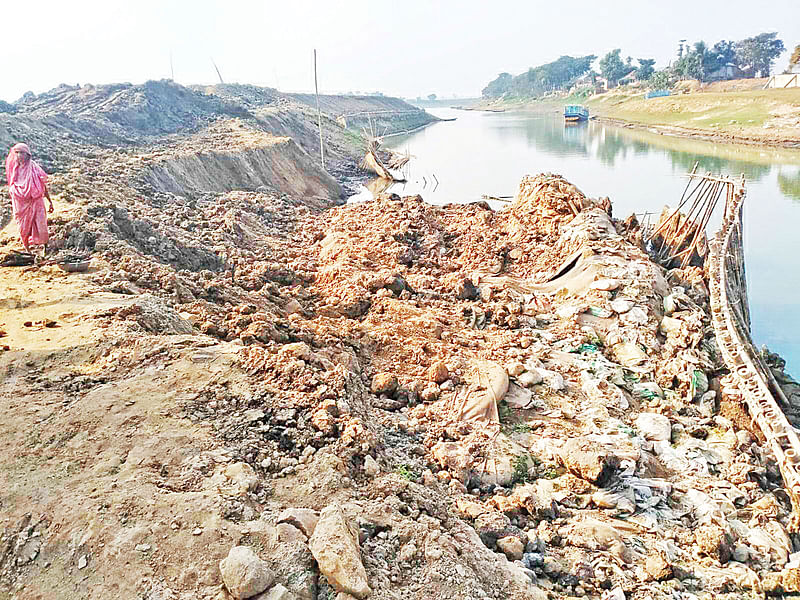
{"x":233,"y":354}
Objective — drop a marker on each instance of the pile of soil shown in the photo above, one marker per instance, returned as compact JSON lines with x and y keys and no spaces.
{"x":270,"y":369}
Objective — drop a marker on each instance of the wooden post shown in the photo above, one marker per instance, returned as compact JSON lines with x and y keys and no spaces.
{"x":319,"y":114}
{"x":217,"y":69}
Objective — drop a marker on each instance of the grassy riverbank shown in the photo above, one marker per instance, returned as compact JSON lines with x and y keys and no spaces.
{"x":770,"y":117}
{"x":766,"y":116}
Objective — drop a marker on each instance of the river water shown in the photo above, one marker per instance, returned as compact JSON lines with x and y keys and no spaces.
{"x":488,"y":153}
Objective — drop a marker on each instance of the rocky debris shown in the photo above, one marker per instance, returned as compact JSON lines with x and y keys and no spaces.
{"x":657,"y":567}
{"x":490,"y":404}
{"x":244,"y":574}
{"x":276,"y":592}
{"x":303,"y":519}
{"x":335,"y":547}
{"x":384,"y":383}
{"x":713,"y":541}
{"x":153,"y":316}
{"x":654,"y":427}
{"x":512,"y":547}
{"x":438,"y":372}
{"x":589,"y":461}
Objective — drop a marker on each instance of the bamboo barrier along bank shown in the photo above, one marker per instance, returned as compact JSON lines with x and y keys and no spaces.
{"x":750,"y":380}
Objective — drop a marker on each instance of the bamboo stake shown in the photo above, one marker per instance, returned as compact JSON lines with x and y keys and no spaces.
{"x":319,"y":113}
{"x":217,"y":69}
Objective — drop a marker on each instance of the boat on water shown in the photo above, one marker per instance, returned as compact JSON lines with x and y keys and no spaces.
{"x":575,"y":112}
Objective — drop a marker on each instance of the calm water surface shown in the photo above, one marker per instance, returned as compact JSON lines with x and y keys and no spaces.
{"x":488,"y":153}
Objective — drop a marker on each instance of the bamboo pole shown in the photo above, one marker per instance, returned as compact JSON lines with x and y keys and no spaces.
{"x":217,"y":70}
{"x":319,"y":113}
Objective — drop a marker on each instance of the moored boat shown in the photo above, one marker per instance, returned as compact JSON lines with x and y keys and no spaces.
{"x":575,"y":112}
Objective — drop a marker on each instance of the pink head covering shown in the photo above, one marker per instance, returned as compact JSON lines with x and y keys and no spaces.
{"x":25,"y":182}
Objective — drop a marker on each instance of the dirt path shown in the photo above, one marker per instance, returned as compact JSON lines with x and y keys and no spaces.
{"x":96,"y":457}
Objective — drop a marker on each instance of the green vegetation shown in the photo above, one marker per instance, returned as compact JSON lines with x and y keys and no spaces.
{"x":613,"y":68}
{"x":750,"y":57}
{"x":529,"y":468}
{"x":557,"y":75}
{"x":407,"y":472}
{"x":520,"y":474}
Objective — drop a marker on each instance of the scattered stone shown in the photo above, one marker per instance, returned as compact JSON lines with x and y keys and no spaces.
{"x":621,"y":305}
{"x":657,"y":567}
{"x":552,"y":567}
{"x":530,"y":378}
{"x":384,"y":383}
{"x":371,"y":467}
{"x":515,"y":369}
{"x":276,"y":592}
{"x":244,"y":573}
{"x":588,"y":460}
{"x":430,"y":394}
{"x":712,"y":541}
{"x":289,"y":534}
{"x":654,"y":427}
{"x":334,"y":545}
{"x":511,"y":546}
{"x":438,"y":372}
{"x":466,"y":290}
{"x":740,"y":553}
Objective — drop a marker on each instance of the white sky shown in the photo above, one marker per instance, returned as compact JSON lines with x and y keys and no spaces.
{"x":402,"y":48}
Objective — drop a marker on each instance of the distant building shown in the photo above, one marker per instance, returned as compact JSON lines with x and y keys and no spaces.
{"x":727,"y":71}
{"x":629,"y":79}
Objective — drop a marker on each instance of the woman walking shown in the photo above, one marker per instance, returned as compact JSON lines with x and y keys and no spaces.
{"x":27,"y":184}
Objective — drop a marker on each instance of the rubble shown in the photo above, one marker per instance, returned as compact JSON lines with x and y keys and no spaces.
{"x":381,"y":399}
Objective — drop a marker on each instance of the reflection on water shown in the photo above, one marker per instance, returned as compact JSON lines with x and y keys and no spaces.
{"x":488,"y":153}
{"x":790,"y":184}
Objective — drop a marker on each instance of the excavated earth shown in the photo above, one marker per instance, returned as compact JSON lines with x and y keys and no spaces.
{"x":377,"y":400}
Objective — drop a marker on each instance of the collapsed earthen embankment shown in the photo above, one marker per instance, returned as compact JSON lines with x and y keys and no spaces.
{"x":266,"y":391}
{"x":70,"y":121}
{"x":381,"y":398}
{"x":277,"y":163}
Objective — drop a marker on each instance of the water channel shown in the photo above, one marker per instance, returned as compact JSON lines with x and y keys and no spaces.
{"x":487,"y":153}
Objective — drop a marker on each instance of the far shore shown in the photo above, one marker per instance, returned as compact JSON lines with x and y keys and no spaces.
{"x":753,"y":117}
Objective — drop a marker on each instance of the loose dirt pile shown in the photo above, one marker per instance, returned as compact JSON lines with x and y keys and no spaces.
{"x":383,"y":400}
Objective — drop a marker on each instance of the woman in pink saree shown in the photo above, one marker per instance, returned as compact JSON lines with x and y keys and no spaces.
{"x":27,"y":184}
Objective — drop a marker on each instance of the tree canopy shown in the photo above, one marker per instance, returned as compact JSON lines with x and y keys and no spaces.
{"x":750,"y":57}
{"x":757,"y":54}
{"x":794,"y":60}
{"x":645,"y":69}
{"x":612,"y":67}
{"x":556,"y":75}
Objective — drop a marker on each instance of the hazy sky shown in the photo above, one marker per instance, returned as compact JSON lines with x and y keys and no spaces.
{"x":405,"y":48}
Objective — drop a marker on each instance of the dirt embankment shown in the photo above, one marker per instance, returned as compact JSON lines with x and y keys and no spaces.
{"x":377,"y":115}
{"x":262,"y":390}
{"x":69,"y":122}
{"x":380,"y":400}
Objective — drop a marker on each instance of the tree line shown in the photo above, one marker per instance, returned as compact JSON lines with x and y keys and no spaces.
{"x":750,"y":57}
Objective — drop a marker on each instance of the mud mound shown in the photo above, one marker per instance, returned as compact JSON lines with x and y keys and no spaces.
{"x":125,"y":112}
{"x":232,"y":156}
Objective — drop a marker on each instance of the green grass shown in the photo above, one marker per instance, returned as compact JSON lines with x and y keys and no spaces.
{"x":716,"y":111}
{"x":407,"y":472}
